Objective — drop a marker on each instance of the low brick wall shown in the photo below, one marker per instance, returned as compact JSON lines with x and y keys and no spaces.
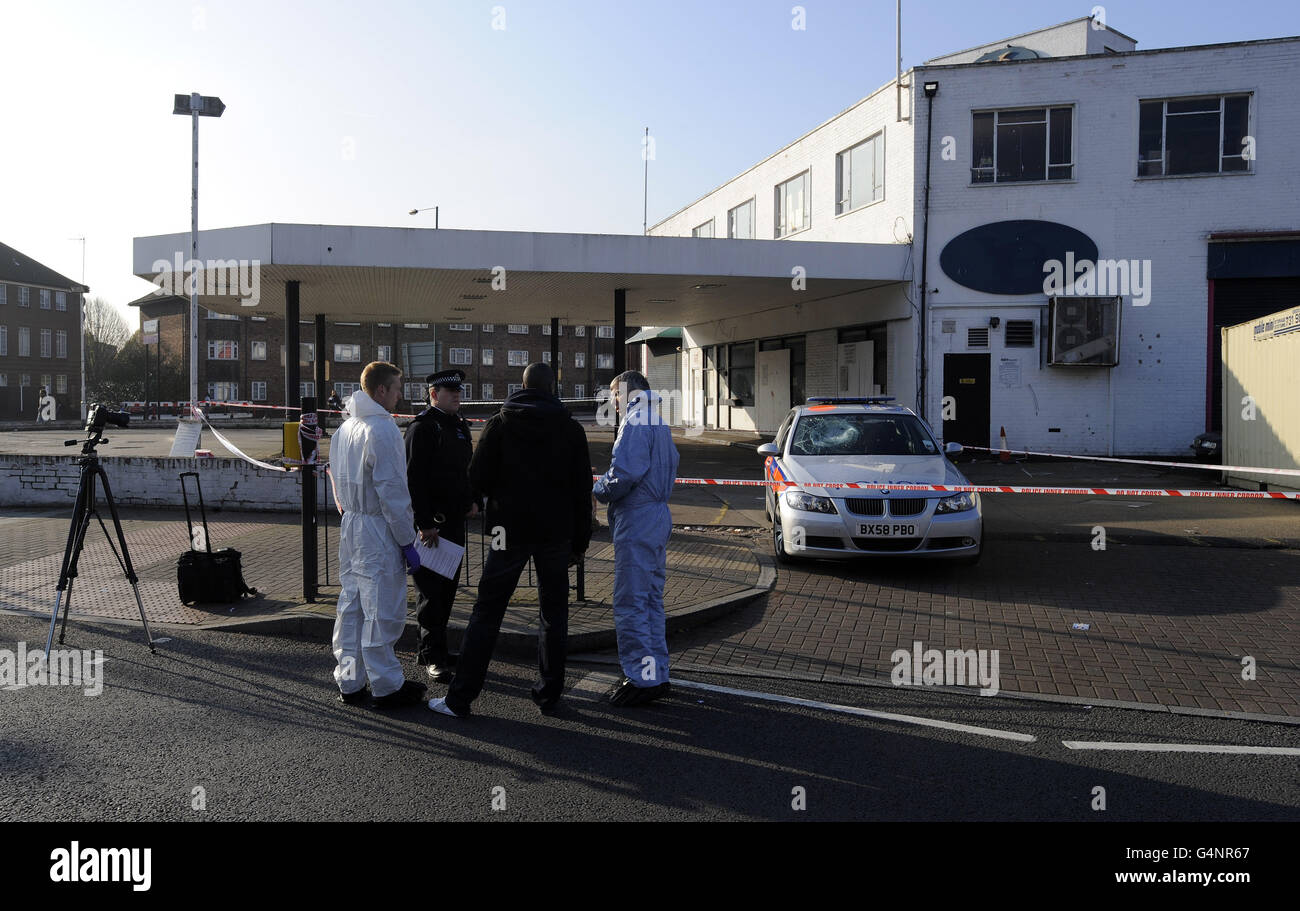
{"x":228,"y":483}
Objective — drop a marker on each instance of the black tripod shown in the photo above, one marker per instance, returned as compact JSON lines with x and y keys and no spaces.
{"x":85,"y":508}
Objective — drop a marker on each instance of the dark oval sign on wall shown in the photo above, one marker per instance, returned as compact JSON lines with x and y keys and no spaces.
{"x":1007,"y":257}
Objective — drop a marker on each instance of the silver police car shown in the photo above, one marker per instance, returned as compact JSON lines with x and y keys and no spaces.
{"x":866,"y":440}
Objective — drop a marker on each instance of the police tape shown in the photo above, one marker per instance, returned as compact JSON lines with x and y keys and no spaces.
{"x":1001,"y":488}
{"x":198,"y":412}
{"x":1193,"y":465}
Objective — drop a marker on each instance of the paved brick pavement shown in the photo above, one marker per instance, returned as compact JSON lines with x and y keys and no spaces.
{"x":704,"y":569}
{"x":1168,"y":625}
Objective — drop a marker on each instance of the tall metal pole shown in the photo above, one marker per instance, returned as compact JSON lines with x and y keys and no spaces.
{"x":81,"y":329}
{"x":645,"y":182}
{"x":194,"y":257}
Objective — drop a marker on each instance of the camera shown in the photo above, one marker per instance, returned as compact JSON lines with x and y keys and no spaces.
{"x":101,"y":415}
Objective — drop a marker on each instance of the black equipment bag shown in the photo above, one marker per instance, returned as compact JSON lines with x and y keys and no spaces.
{"x":208,"y":575}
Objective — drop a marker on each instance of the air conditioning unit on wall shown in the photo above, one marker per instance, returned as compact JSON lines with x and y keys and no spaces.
{"x":1084,"y":331}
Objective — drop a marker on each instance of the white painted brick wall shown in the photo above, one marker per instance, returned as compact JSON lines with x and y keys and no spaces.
{"x":227,"y":483}
{"x":1159,"y":385}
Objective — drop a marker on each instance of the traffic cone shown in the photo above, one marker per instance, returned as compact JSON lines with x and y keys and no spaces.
{"x":1005,"y":454}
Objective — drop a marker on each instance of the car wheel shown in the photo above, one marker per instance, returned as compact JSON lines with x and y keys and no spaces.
{"x":778,"y":540}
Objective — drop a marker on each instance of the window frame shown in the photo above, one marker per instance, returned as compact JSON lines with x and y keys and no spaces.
{"x":1048,"y":164}
{"x":218,"y":345}
{"x":254,"y":348}
{"x":1164,"y":102}
{"x":466,"y":355}
{"x":513,"y":361}
{"x":806,"y":175}
{"x":843,"y":187}
{"x":731,"y":220}
{"x":712,"y":224}
{"x":341,"y":348}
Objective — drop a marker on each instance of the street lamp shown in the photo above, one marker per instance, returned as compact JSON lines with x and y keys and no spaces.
{"x":426,"y":209}
{"x":196,"y":106}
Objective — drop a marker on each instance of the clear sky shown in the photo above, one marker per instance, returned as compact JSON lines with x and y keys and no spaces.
{"x":350,"y":112}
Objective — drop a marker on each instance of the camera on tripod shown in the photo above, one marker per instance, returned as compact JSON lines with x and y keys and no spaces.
{"x":101,"y":414}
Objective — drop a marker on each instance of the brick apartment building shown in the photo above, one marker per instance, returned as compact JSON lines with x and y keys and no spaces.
{"x":243,"y":357}
{"x":40,"y":337}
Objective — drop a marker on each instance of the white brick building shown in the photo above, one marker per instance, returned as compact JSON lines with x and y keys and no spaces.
{"x":1181,"y":162}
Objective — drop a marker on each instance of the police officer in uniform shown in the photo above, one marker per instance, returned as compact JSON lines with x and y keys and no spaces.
{"x":438,"y":451}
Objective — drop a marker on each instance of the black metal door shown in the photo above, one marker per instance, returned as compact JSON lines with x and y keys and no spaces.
{"x":965,"y":406}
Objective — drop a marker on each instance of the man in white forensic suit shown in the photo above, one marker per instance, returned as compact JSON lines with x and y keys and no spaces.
{"x":376,"y":545}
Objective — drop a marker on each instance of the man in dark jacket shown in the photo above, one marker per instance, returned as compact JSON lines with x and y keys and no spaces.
{"x":533,"y":465}
{"x":438,"y":450}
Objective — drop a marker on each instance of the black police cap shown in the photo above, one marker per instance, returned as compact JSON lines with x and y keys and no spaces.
{"x":449,"y":378}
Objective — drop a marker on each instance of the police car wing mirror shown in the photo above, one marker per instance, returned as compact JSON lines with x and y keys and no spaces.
{"x":952,"y":448}
{"x":769,"y":449}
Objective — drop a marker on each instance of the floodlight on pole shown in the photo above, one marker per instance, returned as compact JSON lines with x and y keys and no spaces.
{"x":426,"y":209}
{"x":196,"y":106}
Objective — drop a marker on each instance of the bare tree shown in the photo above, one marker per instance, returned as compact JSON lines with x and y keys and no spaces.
{"x":106,"y":332}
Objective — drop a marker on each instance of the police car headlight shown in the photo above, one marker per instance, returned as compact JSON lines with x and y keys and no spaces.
{"x":959,"y":502}
{"x":807,"y":502}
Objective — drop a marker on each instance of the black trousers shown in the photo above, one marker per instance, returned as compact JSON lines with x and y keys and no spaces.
{"x":433,"y":601}
{"x":500,"y":577}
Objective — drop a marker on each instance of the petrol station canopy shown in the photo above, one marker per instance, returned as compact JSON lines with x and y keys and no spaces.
{"x":361,"y":274}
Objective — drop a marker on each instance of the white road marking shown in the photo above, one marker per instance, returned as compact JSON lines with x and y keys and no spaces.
{"x":865,"y":713}
{"x":1180,"y":747}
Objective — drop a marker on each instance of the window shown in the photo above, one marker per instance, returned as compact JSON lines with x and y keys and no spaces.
{"x":579,"y":390}
{"x":489,"y":327}
{"x":61,"y":343}
{"x":462,"y":356}
{"x":580,"y":331}
{"x":1017,"y":146}
{"x":223,"y":392}
{"x":4,"y":380}
{"x":258,"y":352}
{"x":977,"y":337}
{"x":860,"y":175}
{"x":546,"y":358}
{"x":487,"y":392}
{"x":546,"y":329}
{"x":223,"y":350}
{"x":306,"y":352}
{"x":740,"y":223}
{"x":347,"y":354}
{"x":793,"y":205}
{"x":412,"y":392}
{"x":212,"y":314}
{"x":487,"y":357}
{"x":580,"y":359}
{"x":60,"y":300}
{"x":461,"y":327}
{"x":24,"y":342}
{"x":258,"y":390}
{"x":61,"y":384}
{"x":25,"y":300}
{"x":25,"y":379}
{"x":466,"y":391}
{"x":1020,"y":333}
{"x":257,"y":319}
{"x":604,"y":332}
{"x":741,"y":375}
{"x":604,"y":362}
{"x":517,"y":359}
{"x":4,"y":341}
{"x":416,"y":325}
{"x":517,"y":328}
{"x":704,"y":230}
{"x":382,"y":325}
{"x":1193,"y":136}
{"x":385,"y":353}
{"x":47,"y":343}
{"x":347,"y":324}
{"x":4,"y":295}
{"x":45,"y":299}
{"x":306,"y":389}
{"x":512,"y":388}
{"x":46,"y":381}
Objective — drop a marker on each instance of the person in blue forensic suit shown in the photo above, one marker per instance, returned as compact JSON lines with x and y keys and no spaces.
{"x":642,"y":469}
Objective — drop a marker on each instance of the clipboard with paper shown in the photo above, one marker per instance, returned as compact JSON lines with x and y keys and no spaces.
{"x":443,"y":559}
